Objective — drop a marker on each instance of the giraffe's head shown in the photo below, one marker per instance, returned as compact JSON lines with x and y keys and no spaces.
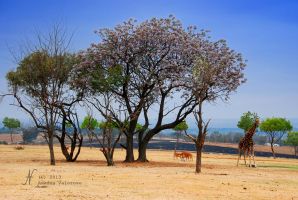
{"x":257,"y":122}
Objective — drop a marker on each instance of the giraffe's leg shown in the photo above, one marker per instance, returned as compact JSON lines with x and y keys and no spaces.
{"x":249,"y":154}
{"x":244,"y":153}
{"x":239,"y":156}
{"x":253,"y":156}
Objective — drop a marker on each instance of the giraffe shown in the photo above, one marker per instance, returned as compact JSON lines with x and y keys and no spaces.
{"x":246,"y":144}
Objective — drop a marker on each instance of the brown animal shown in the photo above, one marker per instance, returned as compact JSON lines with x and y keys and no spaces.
{"x":187,"y":155}
{"x":177,"y":155}
{"x":184,"y":155}
{"x":246,"y":144}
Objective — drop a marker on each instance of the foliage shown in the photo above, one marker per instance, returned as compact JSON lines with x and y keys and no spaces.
{"x":139,"y":127}
{"x":103,"y":125}
{"x":89,"y":123}
{"x":114,"y":124}
{"x":11,"y":123}
{"x":292,"y":139}
{"x":41,"y":84}
{"x":275,"y":128}
{"x":181,"y":126}
{"x":276,"y":125}
{"x":247,"y":120}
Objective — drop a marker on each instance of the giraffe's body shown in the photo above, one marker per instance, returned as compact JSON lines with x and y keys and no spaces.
{"x":246,"y":144}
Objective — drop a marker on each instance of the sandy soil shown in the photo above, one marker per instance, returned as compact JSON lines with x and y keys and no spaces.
{"x":161,"y":178}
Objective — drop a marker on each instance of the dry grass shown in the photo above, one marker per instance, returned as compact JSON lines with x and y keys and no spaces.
{"x":161,"y":178}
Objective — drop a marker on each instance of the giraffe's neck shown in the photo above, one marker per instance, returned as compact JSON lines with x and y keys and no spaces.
{"x":251,"y":131}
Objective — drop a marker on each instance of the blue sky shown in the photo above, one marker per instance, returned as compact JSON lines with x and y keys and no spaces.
{"x":265,"y":32}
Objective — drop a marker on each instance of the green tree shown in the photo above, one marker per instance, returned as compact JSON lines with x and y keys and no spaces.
{"x":247,"y":120}
{"x":275,"y":129}
{"x":11,"y":123}
{"x":90,"y":124}
{"x":293,"y":141}
{"x":41,"y":85}
{"x":179,"y":128}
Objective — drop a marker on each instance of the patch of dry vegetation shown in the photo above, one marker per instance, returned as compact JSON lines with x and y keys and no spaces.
{"x":161,"y":178}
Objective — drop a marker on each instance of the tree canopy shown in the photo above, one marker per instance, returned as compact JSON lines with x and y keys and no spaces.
{"x":152,"y":62}
{"x":11,"y":123}
{"x":292,"y":138}
{"x":89,"y":123}
{"x":247,"y":120}
{"x":275,"y":125}
{"x":293,"y":141}
{"x":181,"y":126}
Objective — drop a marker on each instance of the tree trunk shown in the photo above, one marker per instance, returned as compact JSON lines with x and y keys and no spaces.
{"x":109,"y":158}
{"x":11,"y":140}
{"x":198,"y":159}
{"x":142,"y":151}
{"x":295,"y":149}
{"x":51,"y":147}
{"x":129,"y":149}
{"x":79,"y":149}
{"x":272,"y":149}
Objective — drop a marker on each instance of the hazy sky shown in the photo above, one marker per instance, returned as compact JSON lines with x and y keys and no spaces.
{"x":265,"y":32}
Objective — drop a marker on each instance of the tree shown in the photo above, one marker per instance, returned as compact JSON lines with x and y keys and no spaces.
{"x":40,"y":83}
{"x":179,"y":129}
{"x":218,"y":72}
{"x":293,"y":141}
{"x":90,"y":124}
{"x":149,"y":58}
{"x":275,"y":128}
{"x":247,"y":120}
{"x":155,"y":61}
{"x":70,"y":128}
{"x":11,"y":123}
{"x":109,"y":139}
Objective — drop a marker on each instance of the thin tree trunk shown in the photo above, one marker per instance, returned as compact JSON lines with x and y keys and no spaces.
{"x":51,"y":147}
{"x":272,"y":149}
{"x":199,"y":159}
{"x":11,"y":137}
{"x":129,"y":149}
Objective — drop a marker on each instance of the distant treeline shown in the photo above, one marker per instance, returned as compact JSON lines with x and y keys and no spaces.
{"x":231,"y":137}
{"x":30,"y":134}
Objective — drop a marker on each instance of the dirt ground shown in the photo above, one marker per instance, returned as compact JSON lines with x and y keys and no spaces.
{"x":161,"y":178}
